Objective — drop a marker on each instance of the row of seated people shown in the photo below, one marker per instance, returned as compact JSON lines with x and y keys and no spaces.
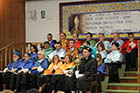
{"x":111,"y":56}
{"x":128,"y":48}
{"x":27,"y":72}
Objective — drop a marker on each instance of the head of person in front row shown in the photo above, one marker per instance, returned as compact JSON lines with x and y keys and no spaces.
{"x":26,"y":64}
{"x":68,"y":64}
{"x":41,"y":64}
{"x":101,"y":37}
{"x":54,"y":67}
{"x":86,"y":52}
{"x":55,"y":59}
{"x":11,"y":67}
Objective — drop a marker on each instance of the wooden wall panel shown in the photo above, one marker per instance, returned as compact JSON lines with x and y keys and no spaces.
{"x":12,"y":21}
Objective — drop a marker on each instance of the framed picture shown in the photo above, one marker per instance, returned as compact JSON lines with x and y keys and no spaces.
{"x":100,"y":17}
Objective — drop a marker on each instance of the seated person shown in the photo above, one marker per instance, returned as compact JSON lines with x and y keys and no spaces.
{"x":12,"y":68}
{"x":38,"y":68}
{"x":33,"y":52}
{"x":101,"y":71}
{"x":113,"y":59}
{"x":41,"y":64}
{"x":89,"y":39}
{"x":86,"y":43}
{"x":87,"y":70}
{"x":59,"y":51}
{"x":47,"y":49}
{"x":22,"y":70}
{"x":50,"y":40}
{"x":63,"y":40}
{"x":130,"y":50}
{"x":78,"y":42}
{"x":101,"y":50}
{"x":54,"y":67}
{"x":105,"y":42}
{"x":116,"y":38}
{"x":26,"y":64}
{"x":57,"y":78}
{"x":72,"y":50}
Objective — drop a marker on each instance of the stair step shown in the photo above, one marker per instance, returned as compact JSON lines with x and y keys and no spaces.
{"x":124,"y":86}
{"x":130,"y":74}
{"x":120,"y":91}
{"x":132,"y":78}
{"x":128,"y":79}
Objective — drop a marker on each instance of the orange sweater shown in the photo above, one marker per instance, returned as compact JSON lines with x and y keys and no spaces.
{"x":50,"y":69}
{"x":67,"y":66}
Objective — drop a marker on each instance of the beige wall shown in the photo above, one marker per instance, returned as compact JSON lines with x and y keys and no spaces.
{"x":37,"y":28}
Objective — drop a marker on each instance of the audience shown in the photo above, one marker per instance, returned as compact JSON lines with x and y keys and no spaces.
{"x":89,"y":39}
{"x":101,"y":71}
{"x":59,"y":51}
{"x":113,"y":59}
{"x":63,"y":40}
{"x":12,"y":69}
{"x":47,"y":49}
{"x":130,"y":50}
{"x":78,"y":42}
{"x":22,"y":71}
{"x":72,"y":65}
{"x":38,"y":68}
{"x":102,"y":39}
{"x":87,"y":70}
{"x":116,"y":38}
{"x":101,"y":50}
{"x":72,"y":50}
{"x":50,"y":40}
{"x":34,"y":54}
{"x":86,"y":43}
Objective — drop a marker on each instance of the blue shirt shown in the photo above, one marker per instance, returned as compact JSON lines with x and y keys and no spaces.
{"x":102,"y":69}
{"x":14,"y":65}
{"x":52,"y":43}
{"x":26,"y":64}
{"x":34,"y":56}
{"x":43,"y":64}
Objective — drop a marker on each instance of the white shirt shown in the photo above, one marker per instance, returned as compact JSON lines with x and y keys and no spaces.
{"x":106,"y":44}
{"x":103,"y":53}
{"x":121,"y":42}
{"x":114,"y":57}
{"x":60,"y":53}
